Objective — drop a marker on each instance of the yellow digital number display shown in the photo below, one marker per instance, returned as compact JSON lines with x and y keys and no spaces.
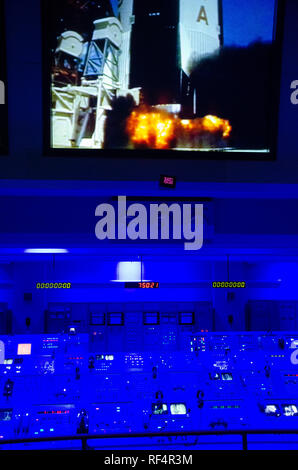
{"x":228,"y":285}
{"x":53,"y":285}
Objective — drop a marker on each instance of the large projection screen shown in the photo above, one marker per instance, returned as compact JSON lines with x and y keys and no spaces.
{"x":162,"y":78}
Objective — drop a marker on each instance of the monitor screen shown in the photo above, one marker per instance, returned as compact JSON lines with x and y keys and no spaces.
{"x":186,"y":318}
{"x":214,"y":376}
{"x":159,"y":408}
{"x":109,"y":357}
{"x":6,"y":414}
{"x":290,"y":410}
{"x":100,"y":357}
{"x":116,"y":319}
{"x":271,"y":410}
{"x":97,"y":319}
{"x":8,"y":362}
{"x":165,"y":79}
{"x":227,"y":376}
{"x":24,"y":349}
{"x":151,"y":318}
{"x":178,"y":409}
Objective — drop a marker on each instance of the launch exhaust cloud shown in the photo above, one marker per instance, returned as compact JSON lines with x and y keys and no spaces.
{"x":135,"y":223}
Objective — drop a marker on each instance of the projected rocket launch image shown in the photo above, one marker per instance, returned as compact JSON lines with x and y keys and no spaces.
{"x":160,"y":74}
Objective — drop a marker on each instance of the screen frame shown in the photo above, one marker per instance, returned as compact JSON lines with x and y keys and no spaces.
{"x":4,"y":149}
{"x":151,"y":323}
{"x":187,"y":324}
{"x":168,"y":154}
{"x":103,"y":319}
{"x":109,"y":317}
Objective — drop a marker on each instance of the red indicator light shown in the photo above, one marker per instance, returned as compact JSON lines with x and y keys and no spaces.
{"x":167,"y":181}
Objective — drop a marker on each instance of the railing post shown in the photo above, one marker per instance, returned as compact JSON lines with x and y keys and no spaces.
{"x":84,"y":443}
{"x":244,"y":441}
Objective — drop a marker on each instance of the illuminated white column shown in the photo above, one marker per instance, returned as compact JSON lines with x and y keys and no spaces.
{"x":200,"y":30}
{"x":2,"y":352}
{"x":125,"y":8}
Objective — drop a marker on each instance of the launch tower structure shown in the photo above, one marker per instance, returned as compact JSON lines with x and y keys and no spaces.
{"x":79,"y":111}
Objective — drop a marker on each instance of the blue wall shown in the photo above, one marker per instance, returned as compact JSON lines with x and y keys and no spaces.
{"x":91,"y":276}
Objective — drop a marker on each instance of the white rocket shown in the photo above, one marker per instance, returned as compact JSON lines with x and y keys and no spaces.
{"x":199,"y":27}
{"x":200,"y":30}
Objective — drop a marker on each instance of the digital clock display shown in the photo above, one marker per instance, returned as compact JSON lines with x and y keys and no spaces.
{"x":167,"y":181}
{"x":142,"y":285}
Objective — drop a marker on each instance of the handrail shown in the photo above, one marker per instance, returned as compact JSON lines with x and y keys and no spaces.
{"x":85,"y":437}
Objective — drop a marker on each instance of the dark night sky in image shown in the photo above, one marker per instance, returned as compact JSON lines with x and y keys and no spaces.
{"x":244,"y":21}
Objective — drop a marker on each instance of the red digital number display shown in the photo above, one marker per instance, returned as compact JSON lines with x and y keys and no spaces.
{"x":148,"y":285}
{"x":167,"y":181}
{"x":142,"y":285}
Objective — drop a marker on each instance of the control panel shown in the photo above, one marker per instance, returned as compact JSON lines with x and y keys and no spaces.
{"x":60,"y":385}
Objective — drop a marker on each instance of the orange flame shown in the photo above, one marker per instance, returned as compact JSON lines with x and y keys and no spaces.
{"x":161,"y":130}
{"x":211,"y":124}
{"x":151,"y":129}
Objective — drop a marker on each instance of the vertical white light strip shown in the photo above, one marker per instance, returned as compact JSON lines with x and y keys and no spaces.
{"x":129,"y":271}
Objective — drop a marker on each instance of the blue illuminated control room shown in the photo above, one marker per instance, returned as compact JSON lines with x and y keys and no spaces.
{"x":149,"y":225}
